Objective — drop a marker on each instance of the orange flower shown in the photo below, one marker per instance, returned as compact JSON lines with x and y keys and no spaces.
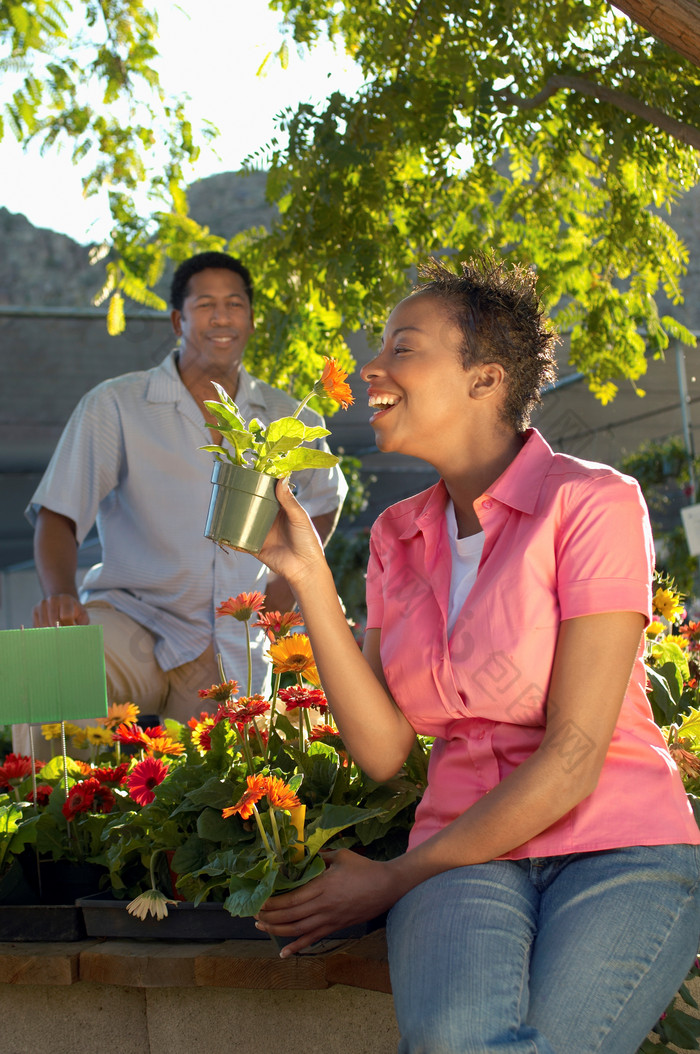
{"x":119,"y":714}
{"x":324,"y":732}
{"x":163,"y":745}
{"x":333,"y":383}
{"x":293,"y":655}
{"x":201,"y":732}
{"x":219,"y":692}
{"x":242,"y":606}
{"x":278,"y":625}
{"x":244,"y":805}
{"x":279,"y":794}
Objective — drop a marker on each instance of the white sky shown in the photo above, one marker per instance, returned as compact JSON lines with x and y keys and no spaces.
{"x":212,"y":54}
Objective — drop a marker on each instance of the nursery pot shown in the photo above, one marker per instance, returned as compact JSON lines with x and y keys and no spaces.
{"x":243,"y":507}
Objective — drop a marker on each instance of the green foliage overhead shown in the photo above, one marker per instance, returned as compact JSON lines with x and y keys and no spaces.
{"x":554,"y":131}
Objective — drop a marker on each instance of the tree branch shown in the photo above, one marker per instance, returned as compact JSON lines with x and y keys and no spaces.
{"x":685,"y":133}
{"x":676,"y":22}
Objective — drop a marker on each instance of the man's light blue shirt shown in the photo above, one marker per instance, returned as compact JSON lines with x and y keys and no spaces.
{"x":128,"y":460}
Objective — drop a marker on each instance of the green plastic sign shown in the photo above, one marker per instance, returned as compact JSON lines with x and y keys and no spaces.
{"x":52,"y":674}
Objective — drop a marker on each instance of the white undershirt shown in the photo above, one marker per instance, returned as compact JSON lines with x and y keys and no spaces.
{"x":466,"y":554}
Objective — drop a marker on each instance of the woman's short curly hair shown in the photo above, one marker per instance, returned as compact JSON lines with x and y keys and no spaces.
{"x":502,"y":319}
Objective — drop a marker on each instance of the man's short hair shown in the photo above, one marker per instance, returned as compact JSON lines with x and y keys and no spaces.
{"x":204,"y":262}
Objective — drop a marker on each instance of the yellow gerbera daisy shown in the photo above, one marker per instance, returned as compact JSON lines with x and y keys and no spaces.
{"x":655,"y":628}
{"x":52,"y":731}
{"x":98,"y":737}
{"x":667,"y":603}
{"x":293,"y":655}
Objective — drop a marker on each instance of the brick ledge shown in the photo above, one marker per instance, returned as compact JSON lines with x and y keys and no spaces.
{"x":222,"y":964}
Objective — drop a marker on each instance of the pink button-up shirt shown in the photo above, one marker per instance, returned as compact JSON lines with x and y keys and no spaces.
{"x":563,"y":538}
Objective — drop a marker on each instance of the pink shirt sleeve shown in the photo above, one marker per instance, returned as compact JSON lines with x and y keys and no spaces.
{"x":373,"y":588}
{"x":605,"y":551}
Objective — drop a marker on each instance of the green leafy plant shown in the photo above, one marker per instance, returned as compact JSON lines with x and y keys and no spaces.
{"x":275,"y":449}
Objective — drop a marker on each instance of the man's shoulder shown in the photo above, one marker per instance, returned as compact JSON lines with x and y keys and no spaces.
{"x":133,"y":384}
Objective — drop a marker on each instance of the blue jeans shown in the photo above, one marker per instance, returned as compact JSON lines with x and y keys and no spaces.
{"x":576,"y":954}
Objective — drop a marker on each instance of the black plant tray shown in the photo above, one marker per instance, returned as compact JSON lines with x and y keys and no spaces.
{"x":41,"y":922}
{"x":107,"y":917}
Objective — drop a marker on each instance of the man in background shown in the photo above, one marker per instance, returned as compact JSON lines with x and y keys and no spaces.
{"x":128,"y":460}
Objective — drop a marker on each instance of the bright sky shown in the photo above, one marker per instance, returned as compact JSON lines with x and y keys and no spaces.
{"x":212,"y":52}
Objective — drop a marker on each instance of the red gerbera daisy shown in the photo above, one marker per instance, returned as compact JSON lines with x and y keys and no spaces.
{"x":304,"y":698}
{"x":144,"y":776}
{"x":43,"y":793}
{"x":15,"y":768}
{"x":80,"y":798}
{"x":242,"y":606}
{"x":252,"y":706}
{"x":117,"y":774}
{"x":278,"y":625}
{"x":129,"y":735}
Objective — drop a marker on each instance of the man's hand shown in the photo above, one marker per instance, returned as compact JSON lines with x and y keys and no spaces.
{"x":351,"y":890}
{"x":61,"y":609}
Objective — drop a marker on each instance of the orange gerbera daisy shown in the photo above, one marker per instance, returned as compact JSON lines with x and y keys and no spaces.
{"x":242,"y":606}
{"x":293,"y":655}
{"x":220,"y":693}
{"x":333,"y":383}
{"x":163,"y":745}
{"x":279,"y":794}
{"x":119,"y":714}
{"x":278,"y":625}
{"x":244,"y":805}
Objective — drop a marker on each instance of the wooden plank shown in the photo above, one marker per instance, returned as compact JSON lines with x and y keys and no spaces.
{"x":141,"y":964}
{"x":362,"y":964}
{"x":41,"y":963}
{"x":256,"y":964}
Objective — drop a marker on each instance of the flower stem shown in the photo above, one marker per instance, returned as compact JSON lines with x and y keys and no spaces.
{"x":250,"y":659}
{"x":262,"y":830}
{"x":303,"y":403}
{"x":276,"y":835}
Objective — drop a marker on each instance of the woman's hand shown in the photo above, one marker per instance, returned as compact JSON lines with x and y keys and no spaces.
{"x":292,"y":546}
{"x":351,"y":890}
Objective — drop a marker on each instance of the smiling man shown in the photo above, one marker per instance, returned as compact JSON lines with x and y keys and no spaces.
{"x":129,"y":461}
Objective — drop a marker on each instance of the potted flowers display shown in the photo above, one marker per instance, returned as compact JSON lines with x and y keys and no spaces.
{"x":261,"y":786}
{"x":243,"y":503}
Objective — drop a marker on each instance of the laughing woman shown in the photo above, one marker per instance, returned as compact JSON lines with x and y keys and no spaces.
{"x":549,"y":900}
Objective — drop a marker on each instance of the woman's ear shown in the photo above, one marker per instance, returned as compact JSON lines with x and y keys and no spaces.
{"x":489,"y":379}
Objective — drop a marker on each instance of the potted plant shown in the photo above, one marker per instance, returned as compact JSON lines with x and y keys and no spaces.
{"x":243,"y":503}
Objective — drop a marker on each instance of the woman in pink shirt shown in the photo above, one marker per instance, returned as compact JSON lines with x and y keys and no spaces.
{"x":549,"y":901}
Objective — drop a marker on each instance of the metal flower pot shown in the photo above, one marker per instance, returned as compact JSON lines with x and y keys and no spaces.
{"x":243,"y":507}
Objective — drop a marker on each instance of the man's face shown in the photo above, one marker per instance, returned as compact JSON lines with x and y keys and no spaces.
{"x":215,"y":323}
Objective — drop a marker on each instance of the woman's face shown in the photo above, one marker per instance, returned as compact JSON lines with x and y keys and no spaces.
{"x":418,"y":387}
